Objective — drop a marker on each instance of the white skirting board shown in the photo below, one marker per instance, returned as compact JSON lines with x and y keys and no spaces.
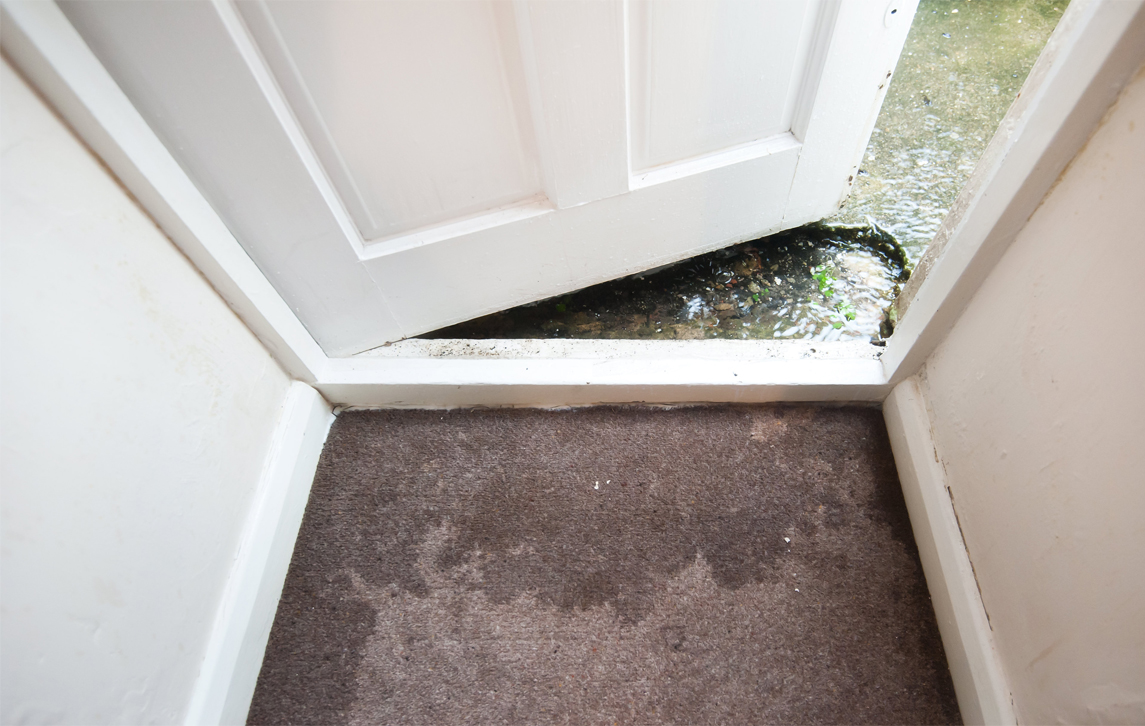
{"x":979,"y":681}
{"x":222,"y":693}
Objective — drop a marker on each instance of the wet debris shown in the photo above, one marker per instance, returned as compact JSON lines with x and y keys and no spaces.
{"x":817,"y":282}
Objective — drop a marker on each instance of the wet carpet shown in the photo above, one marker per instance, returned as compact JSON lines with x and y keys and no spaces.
{"x":700,"y":565}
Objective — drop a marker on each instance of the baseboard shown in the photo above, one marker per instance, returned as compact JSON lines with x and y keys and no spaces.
{"x":979,"y":681}
{"x":226,"y":681}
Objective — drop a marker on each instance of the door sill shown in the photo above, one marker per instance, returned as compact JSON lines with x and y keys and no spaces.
{"x":552,"y":373}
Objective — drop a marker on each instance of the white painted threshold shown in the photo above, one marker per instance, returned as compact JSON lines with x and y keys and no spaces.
{"x":446,"y":373}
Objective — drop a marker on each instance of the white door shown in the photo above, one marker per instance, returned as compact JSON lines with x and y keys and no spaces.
{"x":400,"y":165}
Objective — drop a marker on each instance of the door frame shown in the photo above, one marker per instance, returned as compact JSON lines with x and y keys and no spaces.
{"x":1096,"y":48}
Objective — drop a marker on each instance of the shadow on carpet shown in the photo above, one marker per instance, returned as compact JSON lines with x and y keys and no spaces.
{"x":725,"y":564}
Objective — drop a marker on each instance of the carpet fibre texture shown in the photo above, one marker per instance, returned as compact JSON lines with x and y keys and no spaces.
{"x":696,"y":565}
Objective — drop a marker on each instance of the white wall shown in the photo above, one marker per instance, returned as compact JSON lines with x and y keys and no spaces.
{"x":1037,"y":404}
{"x":137,"y":412}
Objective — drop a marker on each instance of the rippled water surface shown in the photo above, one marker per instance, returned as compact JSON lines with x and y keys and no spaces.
{"x":813,"y":283}
{"x":962,"y":66}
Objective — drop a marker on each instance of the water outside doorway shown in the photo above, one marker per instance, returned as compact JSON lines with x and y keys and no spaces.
{"x":962,"y":66}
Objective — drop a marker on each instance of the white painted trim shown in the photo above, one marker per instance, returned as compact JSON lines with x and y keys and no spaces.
{"x":979,"y":680}
{"x":239,"y":34}
{"x":588,"y":372}
{"x":478,"y":222}
{"x":715,"y":349}
{"x":227,"y":677}
{"x":833,"y":142}
{"x":709,"y":162}
{"x":1095,"y":50}
{"x":52,"y":55}
{"x":827,"y":14}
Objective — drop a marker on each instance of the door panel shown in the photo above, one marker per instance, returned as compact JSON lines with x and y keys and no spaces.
{"x":418,"y":110}
{"x":706,"y":76}
{"x":396,"y":167}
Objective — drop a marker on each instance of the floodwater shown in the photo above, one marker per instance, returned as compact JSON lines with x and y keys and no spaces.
{"x":962,"y":66}
{"x":814,"y":283}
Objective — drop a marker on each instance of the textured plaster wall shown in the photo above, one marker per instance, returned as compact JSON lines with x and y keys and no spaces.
{"x":137,"y":411}
{"x":1037,"y":402}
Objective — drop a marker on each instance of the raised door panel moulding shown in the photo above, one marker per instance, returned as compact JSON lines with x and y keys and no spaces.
{"x":573,"y":122}
{"x":418,"y":111}
{"x":708,"y":76}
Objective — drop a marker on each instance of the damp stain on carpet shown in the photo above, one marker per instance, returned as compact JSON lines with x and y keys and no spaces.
{"x":726,"y":564}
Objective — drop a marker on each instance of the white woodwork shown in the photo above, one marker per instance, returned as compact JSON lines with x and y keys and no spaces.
{"x":432,"y":285}
{"x":847,"y":81}
{"x":979,"y":679}
{"x":397,"y":167}
{"x":49,"y":51}
{"x":446,"y":374}
{"x":708,"y":76}
{"x":225,"y":686}
{"x":418,"y":110}
{"x":575,"y":66}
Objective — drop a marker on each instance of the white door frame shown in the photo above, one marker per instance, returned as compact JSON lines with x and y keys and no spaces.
{"x":1089,"y":58}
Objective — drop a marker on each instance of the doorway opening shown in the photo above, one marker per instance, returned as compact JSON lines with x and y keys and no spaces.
{"x":963,"y":64}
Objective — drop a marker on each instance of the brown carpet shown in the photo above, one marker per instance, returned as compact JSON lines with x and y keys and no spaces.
{"x":606,"y":565}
